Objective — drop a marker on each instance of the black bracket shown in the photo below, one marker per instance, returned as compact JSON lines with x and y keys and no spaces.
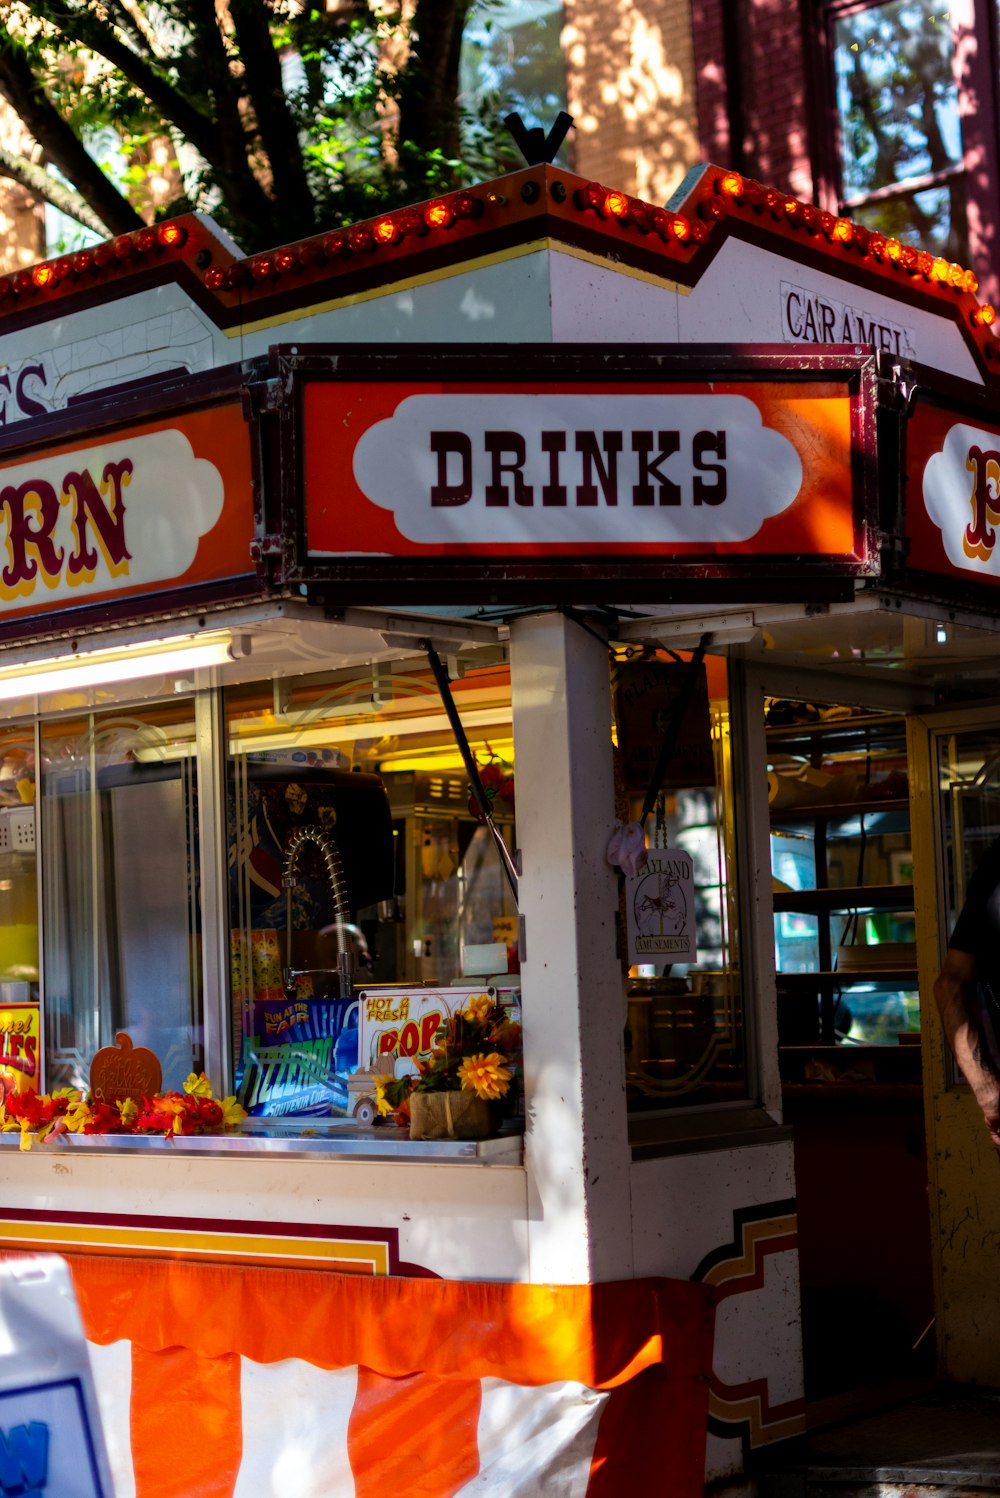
{"x":537,"y":148}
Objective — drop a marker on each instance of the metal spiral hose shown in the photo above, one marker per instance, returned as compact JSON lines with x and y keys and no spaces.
{"x":338,"y":889}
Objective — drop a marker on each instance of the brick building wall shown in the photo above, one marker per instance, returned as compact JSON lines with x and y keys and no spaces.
{"x":753,"y":98}
{"x":631,"y":91}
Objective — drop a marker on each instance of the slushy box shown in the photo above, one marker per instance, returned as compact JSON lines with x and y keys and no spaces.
{"x":321,"y":1056}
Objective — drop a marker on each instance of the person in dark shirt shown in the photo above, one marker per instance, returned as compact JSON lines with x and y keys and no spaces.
{"x":967,"y":990}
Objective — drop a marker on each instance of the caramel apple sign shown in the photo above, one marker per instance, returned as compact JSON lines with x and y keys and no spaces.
{"x":547,"y":469}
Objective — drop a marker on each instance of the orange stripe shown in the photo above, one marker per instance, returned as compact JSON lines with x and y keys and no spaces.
{"x":652,"y":1439}
{"x":415,"y":1435}
{"x":601,"y":1335}
{"x":187,"y":1435}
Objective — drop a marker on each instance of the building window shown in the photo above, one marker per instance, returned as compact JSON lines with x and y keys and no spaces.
{"x":902,"y":168}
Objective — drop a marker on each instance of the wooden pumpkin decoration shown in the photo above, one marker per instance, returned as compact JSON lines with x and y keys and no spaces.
{"x":123,"y":1071}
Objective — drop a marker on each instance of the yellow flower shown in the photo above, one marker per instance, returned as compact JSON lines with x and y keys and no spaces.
{"x":382,"y":1103}
{"x":198,"y":1085}
{"x":486,"y":1076}
{"x":479,"y":1007}
{"x":232,"y":1113}
{"x":78,"y":1115}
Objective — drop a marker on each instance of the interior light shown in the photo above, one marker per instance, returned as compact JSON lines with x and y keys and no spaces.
{"x":941,"y":634}
{"x":93,"y":668}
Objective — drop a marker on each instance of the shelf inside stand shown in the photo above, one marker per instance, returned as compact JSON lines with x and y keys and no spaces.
{"x":896,"y":977}
{"x":847,"y":897}
{"x":837,"y":810}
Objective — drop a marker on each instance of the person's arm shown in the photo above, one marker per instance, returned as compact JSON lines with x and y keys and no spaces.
{"x":954,"y":994}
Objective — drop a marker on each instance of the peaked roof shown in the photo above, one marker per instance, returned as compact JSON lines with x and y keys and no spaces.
{"x":540,"y":204}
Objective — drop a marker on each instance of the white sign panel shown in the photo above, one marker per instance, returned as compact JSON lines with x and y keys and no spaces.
{"x":660,"y":906}
{"x":540,"y":469}
{"x":962,"y":496}
{"x":116,"y":514}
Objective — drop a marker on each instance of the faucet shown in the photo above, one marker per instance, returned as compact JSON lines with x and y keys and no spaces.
{"x":338,"y":889}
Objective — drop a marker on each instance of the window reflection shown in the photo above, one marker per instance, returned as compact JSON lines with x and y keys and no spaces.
{"x":897,"y":102}
{"x":685,"y":1040}
{"x":120,"y":891}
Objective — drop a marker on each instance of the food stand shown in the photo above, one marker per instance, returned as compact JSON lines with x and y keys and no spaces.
{"x":301,"y":546}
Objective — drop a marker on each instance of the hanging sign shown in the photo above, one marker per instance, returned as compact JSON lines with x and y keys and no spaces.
{"x":728,"y":469}
{"x":140,"y":508}
{"x":645,"y":696}
{"x":660,"y":908}
{"x":953,"y":493}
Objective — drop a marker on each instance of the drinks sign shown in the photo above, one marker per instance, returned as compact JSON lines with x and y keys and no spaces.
{"x":742,"y":468}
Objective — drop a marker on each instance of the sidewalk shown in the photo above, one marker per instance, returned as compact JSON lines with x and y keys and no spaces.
{"x":941,"y":1443}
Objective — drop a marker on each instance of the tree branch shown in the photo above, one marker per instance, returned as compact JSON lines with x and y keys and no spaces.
{"x":278,"y":130}
{"x":82,"y":28}
{"x":428,"y":84}
{"x":25,"y":94}
{"x":38,"y":182}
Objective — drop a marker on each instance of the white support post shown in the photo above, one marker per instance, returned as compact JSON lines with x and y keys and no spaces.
{"x":576,"y":1148}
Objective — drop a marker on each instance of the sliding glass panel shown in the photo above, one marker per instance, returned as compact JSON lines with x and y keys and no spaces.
{"x":120,"y":890}
{"x":19,"y":1033}
{"x":367,"y":898}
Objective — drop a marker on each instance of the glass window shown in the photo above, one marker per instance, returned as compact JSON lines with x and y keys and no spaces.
{"x":897,"y":99}
{"x":19,"y":1023}
{"x":842,"y":866}
{"x":365,"y":891}
{"x":685,"y":1039}
{"x":120,"y":890}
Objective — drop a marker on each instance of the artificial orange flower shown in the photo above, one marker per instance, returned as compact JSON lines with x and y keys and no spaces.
{"x":486,"y":1076}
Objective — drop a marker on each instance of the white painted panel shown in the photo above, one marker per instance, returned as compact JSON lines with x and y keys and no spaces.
{"x":682,"y":1205}
{"x":134,"y":337}
{"x":594,"y":303}
{"x":295,"y":1420}
{"x":461,"y":1221}
{"x":743,"y":298}
{"x":112,"y":1370}
{"x":505,"y":302}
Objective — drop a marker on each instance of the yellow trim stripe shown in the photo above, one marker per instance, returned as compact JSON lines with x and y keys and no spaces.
{"x":447,"y":273}
{"x":753,"y":1233}
{"x":749,"y":1410}
{"x":372,"y":1258}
